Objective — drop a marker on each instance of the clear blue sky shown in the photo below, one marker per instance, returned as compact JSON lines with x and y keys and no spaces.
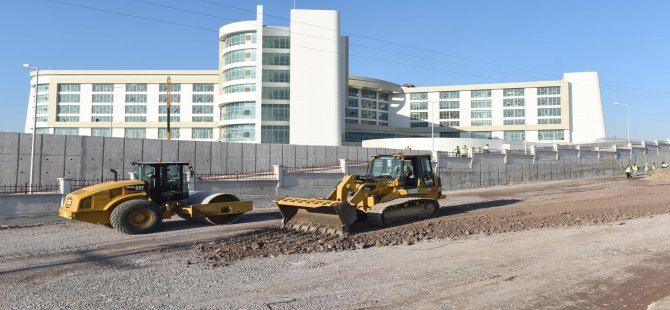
{"x":455,"y":42}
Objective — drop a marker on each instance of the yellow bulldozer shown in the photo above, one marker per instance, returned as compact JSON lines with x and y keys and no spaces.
{"x":397,"y":188}
{"x":156,"y":191}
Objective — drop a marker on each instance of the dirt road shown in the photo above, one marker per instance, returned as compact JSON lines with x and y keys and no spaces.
{"x":592,"y":243}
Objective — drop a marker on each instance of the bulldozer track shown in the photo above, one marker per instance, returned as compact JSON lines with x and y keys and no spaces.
{"x":376,"y":214}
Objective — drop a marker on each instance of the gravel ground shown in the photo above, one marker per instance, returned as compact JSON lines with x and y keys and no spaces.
{"x":545,"y":245}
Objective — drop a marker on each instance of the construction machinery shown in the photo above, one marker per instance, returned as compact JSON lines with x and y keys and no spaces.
{"x":156,"y":191}
{"x":397,"y":188}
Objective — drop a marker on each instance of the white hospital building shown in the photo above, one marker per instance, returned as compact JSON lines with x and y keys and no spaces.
{"x":291,"y":85}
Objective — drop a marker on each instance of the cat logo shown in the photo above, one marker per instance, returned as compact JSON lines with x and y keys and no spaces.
{"x":135,"y":187}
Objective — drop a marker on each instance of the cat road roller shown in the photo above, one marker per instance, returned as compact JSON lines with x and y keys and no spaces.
{"x":156,"y":191}
{"x":397,"y":188}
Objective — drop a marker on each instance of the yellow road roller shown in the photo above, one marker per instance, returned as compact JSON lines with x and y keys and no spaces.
{"x":156,"y":191}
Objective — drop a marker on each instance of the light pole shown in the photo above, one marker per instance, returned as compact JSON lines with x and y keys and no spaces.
{"x":32,"y":148}
{"x":627,"y":119}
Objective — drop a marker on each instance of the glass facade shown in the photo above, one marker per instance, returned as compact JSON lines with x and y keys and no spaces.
{"x":239,"y":73}
{"x":481,"y":135}
{"x":203,"y":88}
{"x":276,"y":93}
{"x":275,"y":112}
{"x":240,"y":38}
{"x":238,"y":133}
{"x":100,"y":132}
{"x":274,"y":134}
{"x":238,"y":88}
{"x":202,"y":133}
{"x":549,"y":135}
{"x":239,"y":110}
{"x":174,"y":133}
{"x":514,"y":135}
{"x":276,"y":76}
{"x":139,"y":133}
{"x":276,"y":42}
{"x":276,"y":59}
{"x":248,"y":54}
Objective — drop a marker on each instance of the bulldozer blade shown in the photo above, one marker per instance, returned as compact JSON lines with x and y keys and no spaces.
{"x":317,"y":215}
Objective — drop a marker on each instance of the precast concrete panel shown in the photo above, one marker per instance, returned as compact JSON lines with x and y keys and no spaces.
{"x":52,"y":164}
{"x":132,"y":152}
{"x":311,"y":155}
{"x":151,"y":150}
{"x":263,"y":157}
{"x":234,"y":158}
{"x":301,"y":155}
{"x":288,"y":155}
{"x":92,"y":157}
{"x":352,"y":153}
{"x":248,"y":157}
{"x":9,"y":158}
{"x":203,"y":157}
{"x":342,"y":152}
{"x":114,"y":158}
{"x":169,"y":150}
{"x":361,"y":154}
{"x":219,"y":157}
{"x":73,"y":159}
{"x":187,"y":152}
{"x":588,"y":154}
{"x":320,"y":156}
{"x":276,"y":154}
{"x":331,"y":155}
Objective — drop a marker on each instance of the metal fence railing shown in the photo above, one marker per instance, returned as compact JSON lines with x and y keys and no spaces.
{"x":25,"y":188}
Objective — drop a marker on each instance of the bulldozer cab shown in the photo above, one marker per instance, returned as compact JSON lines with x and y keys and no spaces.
{"x":410,"y":170}
{"x":164,"y":181}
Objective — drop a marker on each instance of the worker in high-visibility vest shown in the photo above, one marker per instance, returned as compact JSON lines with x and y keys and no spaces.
{"x":635,"y":168}
{"x":647,"y":171}
{"x":464,"y":151}
{"x":629,"y":170}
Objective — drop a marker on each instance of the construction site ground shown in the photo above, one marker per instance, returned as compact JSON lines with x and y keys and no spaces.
{"x":596,"y":243}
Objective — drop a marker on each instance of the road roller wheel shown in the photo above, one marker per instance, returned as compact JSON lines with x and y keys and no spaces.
{"x":136,"y":217}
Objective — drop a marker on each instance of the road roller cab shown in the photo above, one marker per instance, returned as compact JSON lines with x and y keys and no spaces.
{"x":157,"y":191}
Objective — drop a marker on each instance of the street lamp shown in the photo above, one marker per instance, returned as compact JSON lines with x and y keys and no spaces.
{"x":627,"y":119}
{"x":32,"y":148}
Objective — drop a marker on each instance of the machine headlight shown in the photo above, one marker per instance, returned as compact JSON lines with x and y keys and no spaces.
{"x":68,"y":202}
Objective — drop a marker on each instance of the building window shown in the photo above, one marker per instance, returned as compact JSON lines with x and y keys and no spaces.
{"x":276,"y":76}
{"x":351,"y":121}
{"x":514,"y":102}
{"x":67,"y":119}
{"x":352,"y":136}
{"x":136,"y":98}
{"x":418,"y":115}
{"x":101,"y":98}
{"x":450,"y":134}
{"x":42,"y":98}
{"x":449,"y":104}
{"x":240,"y":38}
{"x":202,"y":119}
{"x":450,"y":115}
{"x":202,"y":109}
{"x":549,"y":112}
{"x":103,"y":88}
{"x":544,"y":101}
{"x":418,"y":96}
{"x":68,"y":98}
{"x":351,"y":113}
{"x":41,"y":119}
{"x":368,"y":104}
{"x":203,"y":98}
{"x":174,"y":133}
{"x":173,"y":119}
{"x":274,"y":134}
{"x":42,"y":109}
{"x":276,"y":93}
{"x":239,"y":73}
{"x":136,"y":109}
{"x":370,"y":94}
{"x":353,"y":92}
{"x":549,"y":135}
{"x":203,"y":88}
{"x":514,"y":113}
{"x":481,"y":123}
{"x":174,"y":109}
{"x":383,"y":96}
{"x":554,"y":90}
{"x":248,"y":54}
{"x":365,"y":122}
{"x":139,"y":133}
{"x":42,"y":131}
{"x":480,"y":114}
{"x":383,"y":106}
{"x":450,"y":123}
{"x":276,"y":42}
{"x":239,"y":110}
{"x":480,"y":93}
{"x":100,"y":132}
{"x":136,"y":119}
{"x":101,"y":109}
{"x":514,"y":122}
{"x":513,"y":92}
{"x":67,"y":109}
{"x":418,"y":105}
{"x":514,"y":135}
{"x":101,"y":118}
{"x":481,"y":135}
{"x":449,"y":95}
{"x":136,"y":88}
{"x":549,"y":121}
{"x":480,"y":104}
{"x":238,"y":133}
{"x":418,"y":124}
{"x":275,"y":112}
{"x":174,"y":98}
{"x":239,"y":88}
{"x":383,"y":116}
{"x":175,"y":87}
{"x":202,"y":133}
{"x":66,"y":131}
{"x":276,"y":59}
{"x":69,"y":88}
{"x":368,"y":114}
{"x":42,"y":88}
{"x":352,"y":103}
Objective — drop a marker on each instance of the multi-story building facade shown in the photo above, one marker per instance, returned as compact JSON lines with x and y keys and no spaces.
{"x":291,"y":85}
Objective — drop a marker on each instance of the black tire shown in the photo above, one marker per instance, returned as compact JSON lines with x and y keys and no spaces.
{"x":108,"y":225}
{"x":136,"y":217}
